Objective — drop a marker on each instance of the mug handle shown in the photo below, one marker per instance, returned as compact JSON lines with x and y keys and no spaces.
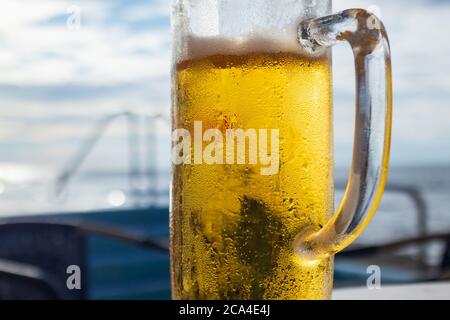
{"x":368,"y":39}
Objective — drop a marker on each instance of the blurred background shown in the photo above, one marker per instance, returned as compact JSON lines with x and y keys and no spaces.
{"x":84,"y":147}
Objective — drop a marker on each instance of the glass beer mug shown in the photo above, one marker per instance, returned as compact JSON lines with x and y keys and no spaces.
{"x":252,"y":199}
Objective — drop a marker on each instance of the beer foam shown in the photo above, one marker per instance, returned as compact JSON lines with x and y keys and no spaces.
{"x":201,"y":47}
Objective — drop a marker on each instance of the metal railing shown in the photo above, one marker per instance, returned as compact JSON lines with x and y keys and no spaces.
{"x":416,"y":196}
{"x":137,"y":168}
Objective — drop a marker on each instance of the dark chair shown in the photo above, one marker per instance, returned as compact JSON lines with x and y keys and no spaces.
{"x":23,"y":281}
{"x":34,"y":257}
{"x":35,"y":260}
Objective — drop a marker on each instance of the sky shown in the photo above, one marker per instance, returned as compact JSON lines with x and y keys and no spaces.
{"x":58,"y":78}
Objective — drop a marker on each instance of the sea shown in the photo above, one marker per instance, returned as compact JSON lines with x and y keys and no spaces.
{"x":397,"y":217}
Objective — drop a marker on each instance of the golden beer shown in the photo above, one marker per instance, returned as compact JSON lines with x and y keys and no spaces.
{"x":232,"y":228}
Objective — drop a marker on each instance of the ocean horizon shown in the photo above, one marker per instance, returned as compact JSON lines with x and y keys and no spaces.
{"x":396,"y":218}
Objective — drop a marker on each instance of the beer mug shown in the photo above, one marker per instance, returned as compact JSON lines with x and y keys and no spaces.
{"x":252,"y":194}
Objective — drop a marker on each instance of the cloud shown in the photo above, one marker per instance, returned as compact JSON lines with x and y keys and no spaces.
{"x":59,"y":82}
{"x":102,"y":51}
{"x":142,"y":11}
